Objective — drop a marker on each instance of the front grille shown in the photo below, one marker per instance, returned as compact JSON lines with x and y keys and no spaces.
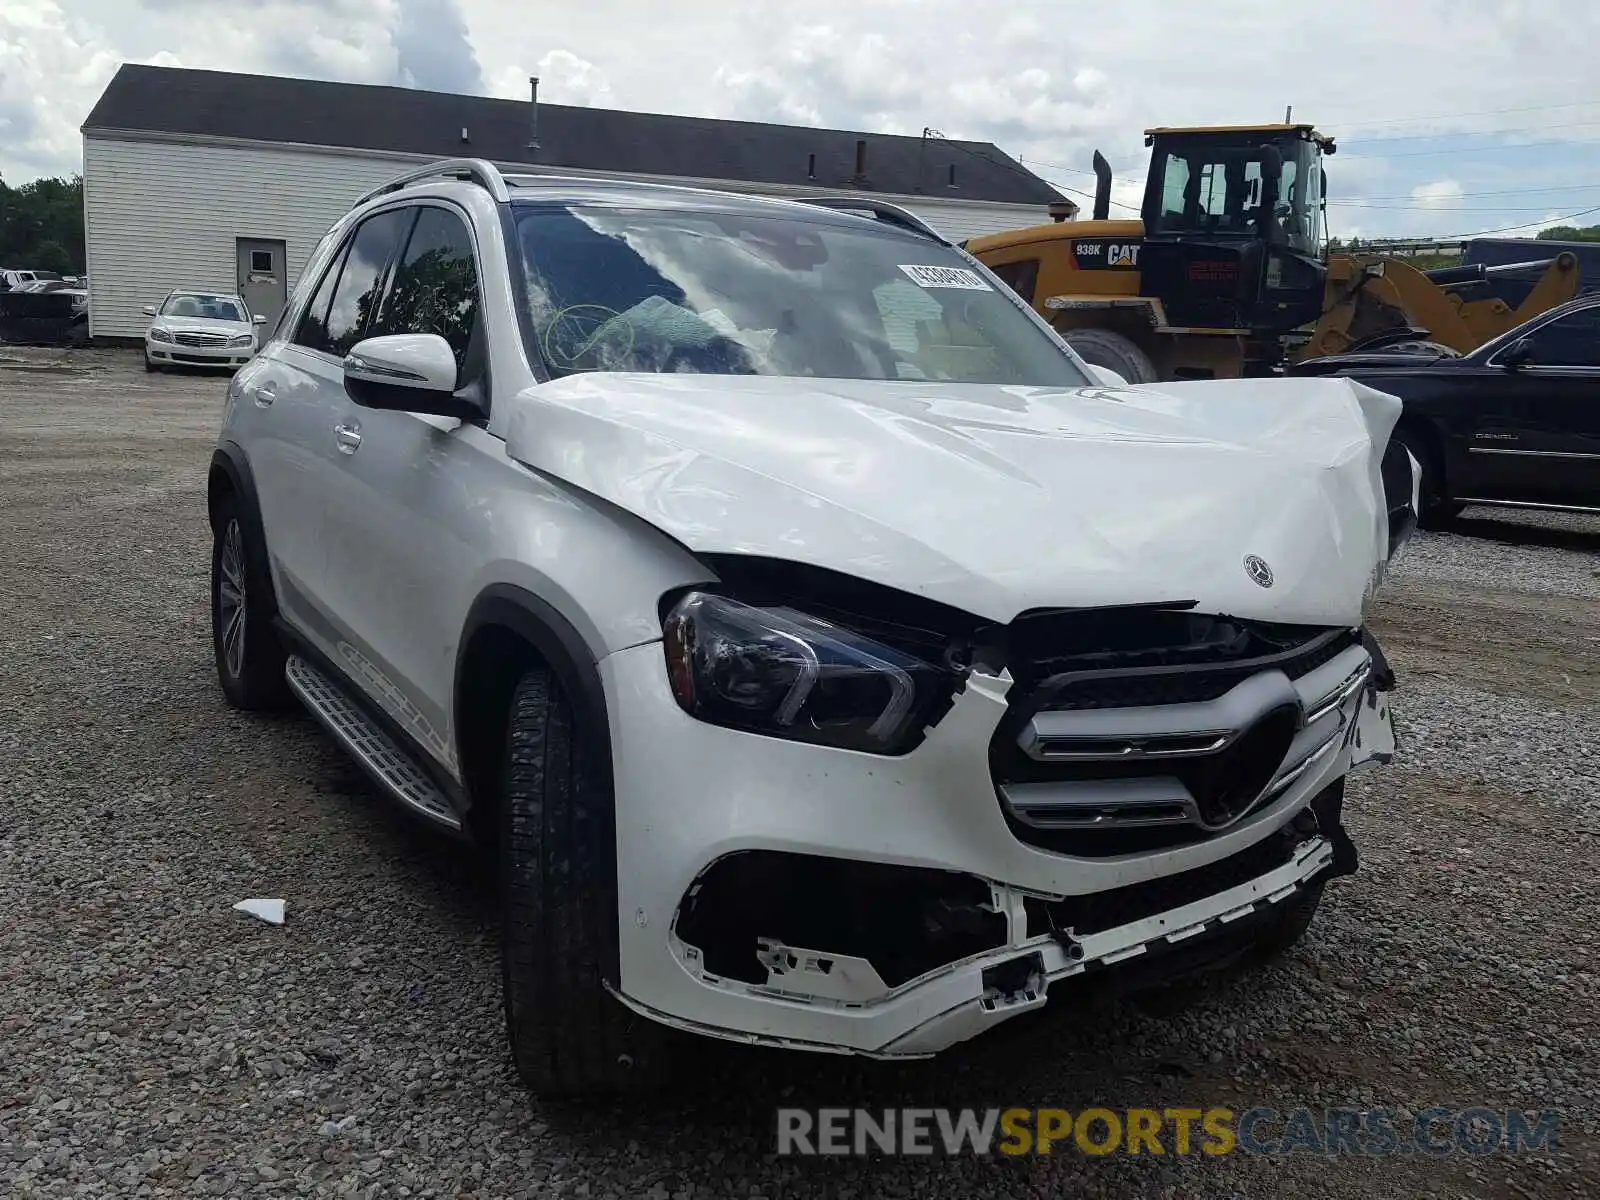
{"x":1074,"y":777}
{"x":200,"y":339}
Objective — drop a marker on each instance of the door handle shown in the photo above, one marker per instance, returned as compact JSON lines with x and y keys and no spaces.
{"x":348,"y":437}
{"x":265,"y":395}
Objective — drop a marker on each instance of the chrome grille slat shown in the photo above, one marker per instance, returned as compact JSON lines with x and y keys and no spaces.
{"x":1069,"y":749}
{"x":200,"y":339}
{"x":1123,"y":803}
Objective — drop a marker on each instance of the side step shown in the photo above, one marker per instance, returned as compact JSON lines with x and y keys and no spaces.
{"x":374,"y":749}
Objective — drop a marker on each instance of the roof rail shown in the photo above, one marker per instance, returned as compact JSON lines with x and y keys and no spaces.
{"x":891,"y":214}
{"x":475,"y":170}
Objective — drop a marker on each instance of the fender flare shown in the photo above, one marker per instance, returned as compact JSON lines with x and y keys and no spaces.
{"x":563,"y":649}
{"x":228,"y":459}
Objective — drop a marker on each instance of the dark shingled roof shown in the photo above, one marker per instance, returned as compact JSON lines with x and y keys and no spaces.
{"x":359,"y":116}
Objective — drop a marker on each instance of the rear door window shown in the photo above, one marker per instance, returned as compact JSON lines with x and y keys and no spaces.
{"x":313,"y":329}
{"x":361,"y":279}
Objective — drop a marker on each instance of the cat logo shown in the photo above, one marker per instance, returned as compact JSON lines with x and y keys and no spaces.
{"x":1099,"y":256}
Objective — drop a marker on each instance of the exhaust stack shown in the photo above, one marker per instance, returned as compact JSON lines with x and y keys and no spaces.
{"x":533,"y":116}
{"x":1102,"y":187}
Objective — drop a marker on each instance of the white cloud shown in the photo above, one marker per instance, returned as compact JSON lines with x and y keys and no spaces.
{"x":42,"y":50}
{"x":573,"y":80}
{"x":1038,"y":84}
{"x":1442,"y":193}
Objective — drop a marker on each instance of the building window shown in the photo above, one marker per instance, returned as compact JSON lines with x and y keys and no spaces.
{"x":811,"y":166}
{"x":951,"y":182}
{"x":261,"y":262}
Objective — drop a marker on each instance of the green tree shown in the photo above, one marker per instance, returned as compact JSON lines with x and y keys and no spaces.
{"x":41,"y":225}
{"x":1570,"y":233}
{"x":53,"y":256}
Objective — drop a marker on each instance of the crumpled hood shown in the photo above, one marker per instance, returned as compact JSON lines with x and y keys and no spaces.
{"x":997,"y":499}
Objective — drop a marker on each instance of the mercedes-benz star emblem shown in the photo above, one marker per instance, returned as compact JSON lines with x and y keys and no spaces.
{"x":1256,"y":567}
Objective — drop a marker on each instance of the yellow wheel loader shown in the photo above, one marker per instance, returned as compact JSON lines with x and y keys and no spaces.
{"x":1226,"y":273}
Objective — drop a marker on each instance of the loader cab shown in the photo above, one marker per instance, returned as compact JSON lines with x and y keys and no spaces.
{"x":1234,"y":228}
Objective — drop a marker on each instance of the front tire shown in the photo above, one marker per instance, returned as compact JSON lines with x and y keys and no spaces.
{"x":1438,"y":510}
{"x":250,"y":658}
{"x":149,"y":363}
{"x":569,"y":1036}
{"x":1289,"y":926}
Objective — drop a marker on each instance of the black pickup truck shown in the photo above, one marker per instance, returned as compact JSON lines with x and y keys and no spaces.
{"x":1516,"y":422}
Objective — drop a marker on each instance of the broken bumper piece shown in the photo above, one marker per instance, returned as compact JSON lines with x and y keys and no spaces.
{"x":952,"y":1003}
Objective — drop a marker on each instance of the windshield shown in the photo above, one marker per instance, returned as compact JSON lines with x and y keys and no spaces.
{"x":215,"y":308}
{"x":1203,"y":186}
{"x":660,"y":290}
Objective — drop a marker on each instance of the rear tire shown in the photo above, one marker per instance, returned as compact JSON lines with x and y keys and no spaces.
{"x":1103,"y":348}
{"x":250,"y":658}
{"x":569,"y":1036}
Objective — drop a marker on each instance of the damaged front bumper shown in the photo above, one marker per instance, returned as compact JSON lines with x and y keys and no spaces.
{"x":794,"y":895}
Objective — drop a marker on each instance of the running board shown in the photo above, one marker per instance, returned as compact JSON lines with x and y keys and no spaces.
{"x":378,"y":753}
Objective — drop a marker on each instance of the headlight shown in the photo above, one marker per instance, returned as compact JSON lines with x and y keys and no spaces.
{"x":160,"y":335}
{"x":783,"y":673}
{"x":241,"y":339}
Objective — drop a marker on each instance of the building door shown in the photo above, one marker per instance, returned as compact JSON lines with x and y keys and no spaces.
{"x":263,"y":278}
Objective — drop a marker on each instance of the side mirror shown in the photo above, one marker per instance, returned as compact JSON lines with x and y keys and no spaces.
{"x":406,"y":372}
{"x":1107,"y":376}
{"x":1519,"y":353}
{"x":149,"y":310}
{"x":258,"y":319}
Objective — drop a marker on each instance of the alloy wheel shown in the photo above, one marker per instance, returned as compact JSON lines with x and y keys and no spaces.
{"x":231,"y":598}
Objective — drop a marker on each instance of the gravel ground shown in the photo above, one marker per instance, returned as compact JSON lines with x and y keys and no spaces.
{"x":152,"y":1042}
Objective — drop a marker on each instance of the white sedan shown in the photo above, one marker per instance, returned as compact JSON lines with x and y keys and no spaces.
{"x":200,"y":329}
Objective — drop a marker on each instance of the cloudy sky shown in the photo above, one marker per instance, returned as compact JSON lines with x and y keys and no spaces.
{"x":1452,"y":118}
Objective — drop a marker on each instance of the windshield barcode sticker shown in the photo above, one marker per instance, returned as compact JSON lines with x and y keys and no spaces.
{"x":946,"y":277}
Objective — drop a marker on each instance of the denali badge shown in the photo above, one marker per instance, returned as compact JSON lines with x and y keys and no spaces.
{"x":1256,"y":567}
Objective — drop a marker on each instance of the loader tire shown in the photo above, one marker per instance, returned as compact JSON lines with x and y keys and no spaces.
{"x":569,"y":1036}
{"x":1103,"y":348}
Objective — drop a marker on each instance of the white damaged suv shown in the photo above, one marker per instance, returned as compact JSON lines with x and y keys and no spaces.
{"x":828,"y":657}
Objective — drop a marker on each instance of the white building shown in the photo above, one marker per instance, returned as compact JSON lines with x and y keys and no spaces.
{"x":205,"y":179}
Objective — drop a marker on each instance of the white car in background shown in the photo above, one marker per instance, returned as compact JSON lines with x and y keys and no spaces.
{"x":199,"y":329}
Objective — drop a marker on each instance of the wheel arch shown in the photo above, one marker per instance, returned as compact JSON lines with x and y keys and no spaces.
{"x":1425,"y":435}
{"x":509,"y":630}
{"x":230,"y":476}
